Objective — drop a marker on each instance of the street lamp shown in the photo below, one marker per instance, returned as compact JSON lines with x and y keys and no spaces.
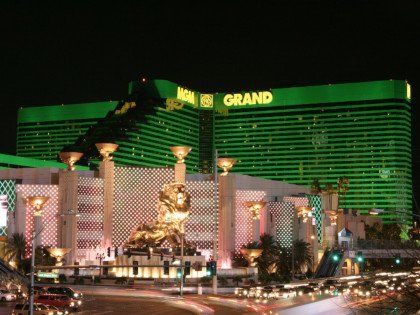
{"x":34,"y":236}
{"x":38,"y":203}
{"x":100,"y":257}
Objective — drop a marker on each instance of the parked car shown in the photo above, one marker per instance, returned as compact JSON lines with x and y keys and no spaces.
{"x":59,"y":300}
{"x":39,"y":309}
{"x":65,"y":291}
{"x":7,"y":296}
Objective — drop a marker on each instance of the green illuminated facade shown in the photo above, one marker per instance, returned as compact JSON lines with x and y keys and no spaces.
{"x":43,"y":131}
{"x":361,"y":131}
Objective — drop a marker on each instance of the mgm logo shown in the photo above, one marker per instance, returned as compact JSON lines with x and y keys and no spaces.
{"x":206,"y":100}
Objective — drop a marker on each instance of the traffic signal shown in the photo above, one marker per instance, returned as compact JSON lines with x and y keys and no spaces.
{"x":108,"y":251}
{"x":187,"y":268}
{"x":76,"y":270}
{"x":359,"y":257}
{"x":213,"y":268}
{"x":397,"y":259}
{"x":335,"y":257}
{"x":116,"y":252}
{"x":135,"y":269}
{"x":208,"y":271}
{"x":178,"y":272}
{"x":166,"y":267}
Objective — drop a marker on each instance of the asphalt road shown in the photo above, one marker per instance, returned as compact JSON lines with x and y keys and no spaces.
{"x":127,"y":305}
{"x":104,"y":300}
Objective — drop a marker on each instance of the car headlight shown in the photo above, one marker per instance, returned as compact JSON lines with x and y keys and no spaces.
{"x":76,"y":295}
{"x":79,"y":302}
{"x":50,"y":313}
{"x":72,"y":304}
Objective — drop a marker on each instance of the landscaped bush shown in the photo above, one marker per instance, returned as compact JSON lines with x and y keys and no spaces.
{"x":79,"y":280}
{"x":121,"y":280}
{"x":62,"y":278}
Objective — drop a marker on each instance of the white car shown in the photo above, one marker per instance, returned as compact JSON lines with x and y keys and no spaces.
{"x":7,"y":296}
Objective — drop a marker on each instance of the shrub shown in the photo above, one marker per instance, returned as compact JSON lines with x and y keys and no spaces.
{"x":62,"y":278}
{"x":79,"y":280}
{"x":205,"y":280}
{"x":223,"y":280}
{"x":121,"y":280}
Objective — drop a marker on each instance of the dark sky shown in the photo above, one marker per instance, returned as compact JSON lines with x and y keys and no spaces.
{"x":52,"y":54}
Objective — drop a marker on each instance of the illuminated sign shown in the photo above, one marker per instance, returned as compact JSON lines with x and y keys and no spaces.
{"x":48,"y":275}
{"x":185,"y":95}
{"x":206,"y":100}
{"x":248,"y":98}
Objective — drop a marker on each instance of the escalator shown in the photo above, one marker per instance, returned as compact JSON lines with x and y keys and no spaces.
{"x":330,"y":264}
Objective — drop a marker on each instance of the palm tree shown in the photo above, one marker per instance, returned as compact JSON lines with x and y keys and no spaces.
{"x":269,"y":257}
{"x":15,"y":249}
{"x":303,"y":256}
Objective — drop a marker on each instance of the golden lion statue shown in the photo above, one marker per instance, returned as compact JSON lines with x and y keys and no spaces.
{"x":173,"y":210}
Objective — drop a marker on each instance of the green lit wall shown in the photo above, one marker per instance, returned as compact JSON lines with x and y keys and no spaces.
{"x":360,"y":131}
{"x":148,"y":146}
{"x":43,"y":131}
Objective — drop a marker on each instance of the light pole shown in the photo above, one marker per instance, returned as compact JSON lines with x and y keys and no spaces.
{"x":100,"y":257}
{"x":37,"y":202}
{"x":34,"y":236}
{"x":181,"y":285}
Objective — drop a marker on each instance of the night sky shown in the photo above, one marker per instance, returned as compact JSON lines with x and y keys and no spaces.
{"x":71,"y":53}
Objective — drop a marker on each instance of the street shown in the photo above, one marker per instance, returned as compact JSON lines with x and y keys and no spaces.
{"x":100,"y":300}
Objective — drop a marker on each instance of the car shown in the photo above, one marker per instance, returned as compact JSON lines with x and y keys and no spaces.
{"x":65,"y":291}
{"x":286,"y":293}
{"x":7,"y":296}
{"x":39,"y":309}
{"x":267,"y":293}
{"x":59,"y":300}
{"x":307,"y":290}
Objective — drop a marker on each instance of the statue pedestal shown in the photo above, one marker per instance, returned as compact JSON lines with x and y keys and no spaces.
{"x":180,"y":170}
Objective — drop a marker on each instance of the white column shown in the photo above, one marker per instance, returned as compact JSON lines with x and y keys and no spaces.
{"x":67,"y":197}
{"x":106,"y":172}
{"x":180,"y":170}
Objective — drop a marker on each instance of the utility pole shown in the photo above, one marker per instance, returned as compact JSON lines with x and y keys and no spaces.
{"x":181,"y":284}
{"x":293,"y":243}
{"x":31,"y":293}
{"x":216,"y":211}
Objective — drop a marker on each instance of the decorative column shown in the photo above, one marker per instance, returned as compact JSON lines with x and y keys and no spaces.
{"x":37,"y":202}
{"x":180,"y":152}
{"x":107,"y":172}
{"x":67,"y":203}
{"x":224,"y":201}
{"x":255,"y":208}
